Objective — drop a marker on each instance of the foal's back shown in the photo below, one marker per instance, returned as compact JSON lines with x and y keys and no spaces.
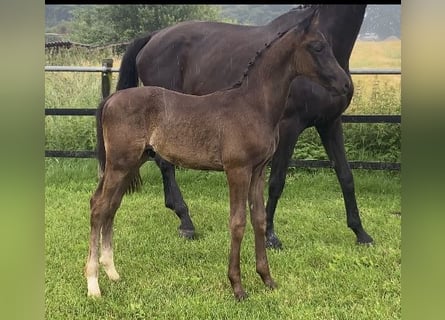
{"x":181,"y":128}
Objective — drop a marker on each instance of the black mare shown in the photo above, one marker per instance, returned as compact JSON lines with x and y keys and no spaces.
{"x":202,"y":57}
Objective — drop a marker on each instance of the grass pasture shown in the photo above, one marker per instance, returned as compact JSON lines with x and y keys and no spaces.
{"x":321,"y":273}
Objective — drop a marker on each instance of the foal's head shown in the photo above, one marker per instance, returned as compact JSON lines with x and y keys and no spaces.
{"x":314,"y":58}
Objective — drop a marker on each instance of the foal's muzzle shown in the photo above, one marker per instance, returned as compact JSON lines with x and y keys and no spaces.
{"x":341,"y":87}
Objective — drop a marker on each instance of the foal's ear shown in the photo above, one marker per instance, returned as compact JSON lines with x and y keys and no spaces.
{"x":311,"y":21}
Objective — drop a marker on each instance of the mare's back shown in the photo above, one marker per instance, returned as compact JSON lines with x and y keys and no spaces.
{"x":200,"y":57}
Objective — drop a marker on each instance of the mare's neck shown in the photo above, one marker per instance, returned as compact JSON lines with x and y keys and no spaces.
{"x":285,"y":21}
{"x":341,"y":25}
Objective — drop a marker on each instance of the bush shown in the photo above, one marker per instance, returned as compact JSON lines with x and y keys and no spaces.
{"x":363,"y":141}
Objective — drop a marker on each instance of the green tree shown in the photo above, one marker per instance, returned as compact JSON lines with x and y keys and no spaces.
{"x":117,"y":23}
{"x":55,"y":14}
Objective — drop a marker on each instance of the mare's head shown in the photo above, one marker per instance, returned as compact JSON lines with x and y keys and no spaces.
{"x":314,"y":58}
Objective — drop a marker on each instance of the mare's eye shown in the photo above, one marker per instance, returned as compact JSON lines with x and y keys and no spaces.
{"x":317,"y":46}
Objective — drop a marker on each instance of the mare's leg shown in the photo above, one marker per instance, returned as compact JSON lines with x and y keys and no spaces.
{"x":332,"y":137}
{"x":290,"y":129}
{"x":173,"y":198}
{"x":238,"y":180}
{"x":258,"y":219}
{"x":104,"y":204}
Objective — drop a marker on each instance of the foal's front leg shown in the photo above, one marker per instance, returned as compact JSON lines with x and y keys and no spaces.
{"x":238,"y":180}
{"x":258,"y":219}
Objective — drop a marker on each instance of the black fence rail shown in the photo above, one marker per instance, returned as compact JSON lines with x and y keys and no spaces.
{"x":106,"y":74}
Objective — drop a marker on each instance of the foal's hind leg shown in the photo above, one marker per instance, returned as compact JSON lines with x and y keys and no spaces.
{"x":332,"y":138}
{"x":106,"y":255}
{"x":174,"y":199}
{"x":104,"y":205}
{"x":258,"y":219}
{"x":92,"y":265}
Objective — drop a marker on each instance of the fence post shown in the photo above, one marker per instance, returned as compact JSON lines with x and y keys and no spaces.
{"x":106,"y":77}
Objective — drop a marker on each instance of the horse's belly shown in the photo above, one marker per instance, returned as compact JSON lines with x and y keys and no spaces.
{"x":187,"y":154}
{"x":197,"y":163}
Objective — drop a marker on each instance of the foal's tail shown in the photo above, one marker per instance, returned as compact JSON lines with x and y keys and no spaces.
{"x":100,"y":145}
{"x":136,"y":182}
{"x":128,"y":78}
{"x":128,"y":74}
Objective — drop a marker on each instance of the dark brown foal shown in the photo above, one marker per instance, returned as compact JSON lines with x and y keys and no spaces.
{"x":235,"y":131}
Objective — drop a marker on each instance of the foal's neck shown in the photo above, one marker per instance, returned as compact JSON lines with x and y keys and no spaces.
{"x":266,"y":85}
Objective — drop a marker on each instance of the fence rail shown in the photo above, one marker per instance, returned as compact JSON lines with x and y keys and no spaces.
{"x":107,"y":69}
{"x":359,"y":71}
{"x":345,"y":118}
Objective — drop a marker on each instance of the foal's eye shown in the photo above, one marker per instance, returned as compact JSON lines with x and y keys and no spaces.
{"x":317,"y":46}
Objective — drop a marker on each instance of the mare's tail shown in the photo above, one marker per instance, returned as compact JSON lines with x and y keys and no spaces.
{"x":128,"y":74}
{"x":136,"y":181}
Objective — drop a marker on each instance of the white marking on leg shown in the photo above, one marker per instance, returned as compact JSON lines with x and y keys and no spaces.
{"x":93,"y":287}
{"x":92,"y":274}
{"x":107,"y":262}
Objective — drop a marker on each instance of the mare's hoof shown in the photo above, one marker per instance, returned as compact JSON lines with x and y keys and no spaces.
{"x":187,"y":234}
{"x":364,"y":239}
{"x":272,"y":242}
{"x":271,"y":285}
{"x":365,"y":244}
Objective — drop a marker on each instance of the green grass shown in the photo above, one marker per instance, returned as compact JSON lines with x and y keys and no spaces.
{"x":321,"y":273}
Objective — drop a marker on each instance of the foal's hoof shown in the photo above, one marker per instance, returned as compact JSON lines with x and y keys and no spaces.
{"x":240,"y":296}
{"x":94,"y":295}
{"x":187,"y":234}
{"x":93,"y":287}
{"x":272,"y":242}
{"x":113,"y":275}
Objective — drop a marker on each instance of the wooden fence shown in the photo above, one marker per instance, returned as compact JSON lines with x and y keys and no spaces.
{"x":106,"y":74}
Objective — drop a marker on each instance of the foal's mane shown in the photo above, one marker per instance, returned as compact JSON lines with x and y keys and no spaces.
{"x":267,"y":45}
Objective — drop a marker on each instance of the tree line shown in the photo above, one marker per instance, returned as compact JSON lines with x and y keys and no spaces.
{"x":105,"y":24}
